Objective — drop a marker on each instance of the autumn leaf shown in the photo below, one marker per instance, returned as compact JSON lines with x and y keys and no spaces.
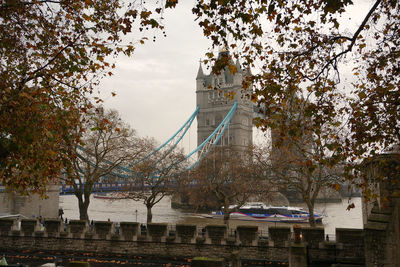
{"x":337,"y":187}
{"x":232,"y":69}
{"x":350,"y":206}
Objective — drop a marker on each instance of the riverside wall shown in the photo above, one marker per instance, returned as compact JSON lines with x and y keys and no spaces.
{"x":184,"y":241}
{"x":382,"y":214}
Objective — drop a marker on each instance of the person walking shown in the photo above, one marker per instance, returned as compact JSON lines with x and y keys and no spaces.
{"x":60,"y":213}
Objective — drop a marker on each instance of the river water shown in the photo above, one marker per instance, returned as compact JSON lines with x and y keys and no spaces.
{"x":128,"y":210}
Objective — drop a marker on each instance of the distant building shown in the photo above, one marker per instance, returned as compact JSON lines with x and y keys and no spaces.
{"x":211,"y":91}
{"x":30,"y":206}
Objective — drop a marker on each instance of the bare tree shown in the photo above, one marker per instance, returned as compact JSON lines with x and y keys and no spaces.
{"x":106,"y":145}
{"x":226,"y":177}
{"x":302,"y":156}
{"x":156,"y":177}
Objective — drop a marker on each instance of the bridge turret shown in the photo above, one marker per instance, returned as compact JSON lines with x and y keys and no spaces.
{"x":200,"y":78}
{"x":238,"y":78}
{"x":211,"y":97}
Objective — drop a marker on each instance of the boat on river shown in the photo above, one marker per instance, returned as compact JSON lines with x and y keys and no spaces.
{"x":258,"y":211}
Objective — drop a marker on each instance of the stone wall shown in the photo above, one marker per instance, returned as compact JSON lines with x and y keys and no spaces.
{"x":31,"y":206}
{"x":382,"y":215}
{"x":185,"y":241}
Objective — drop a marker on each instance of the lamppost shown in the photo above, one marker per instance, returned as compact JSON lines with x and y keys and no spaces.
{"x":136,"y":215}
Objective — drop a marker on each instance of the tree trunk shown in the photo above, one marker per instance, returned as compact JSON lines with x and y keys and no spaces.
{"x":149,"y":214}
{"x":226,"y":218}
{"x":83,"y":208}
{"x":311,"y":219}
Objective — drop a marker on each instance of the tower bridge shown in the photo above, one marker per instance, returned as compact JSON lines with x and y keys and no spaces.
{"x":214,"y":105}
{"x":221,"y":120}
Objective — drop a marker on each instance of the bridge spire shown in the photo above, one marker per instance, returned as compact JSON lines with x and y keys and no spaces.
{"x":200,"y":73}
{"x":238,"y":68}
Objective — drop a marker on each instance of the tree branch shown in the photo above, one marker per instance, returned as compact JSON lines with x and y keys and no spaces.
{"x":352,"y":40}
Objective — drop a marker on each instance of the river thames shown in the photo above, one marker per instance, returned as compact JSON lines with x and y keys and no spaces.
{"x":126,"y":210}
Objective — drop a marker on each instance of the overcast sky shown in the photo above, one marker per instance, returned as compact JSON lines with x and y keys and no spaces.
{"x":156,"y":86}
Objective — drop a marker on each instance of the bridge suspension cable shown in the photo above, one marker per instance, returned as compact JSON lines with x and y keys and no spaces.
{"x":171,"y":143}
{"x":204,"y":148}
{"x":201,"y":151}
{"x":178,"y":136}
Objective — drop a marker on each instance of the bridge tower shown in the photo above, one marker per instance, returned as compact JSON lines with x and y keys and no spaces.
{"x":214,"y":105}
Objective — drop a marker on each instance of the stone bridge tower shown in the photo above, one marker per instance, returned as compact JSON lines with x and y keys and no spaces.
{"x":210,"y":97}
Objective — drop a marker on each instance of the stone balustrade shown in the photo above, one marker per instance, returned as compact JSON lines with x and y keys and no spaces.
{"x":216,"y":233}
{"x":313,"y":236}
{"x":77,"y":228}
{"x":186,"y":233}
{"x":186,"y":240}
{"x":157,"y":231}
{"x":28,"y":226}
{"x":103,"y":229}
{"x":280,"y":235}
{"x":6,"y":226}
{"x":129,"y":230}
{"x":248,"y":234}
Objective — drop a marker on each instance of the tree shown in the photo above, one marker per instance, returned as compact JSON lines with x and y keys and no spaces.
{"x":107,"y":145}
{"x":156,"y":176}
{"x":302,"y":47}
{"x":227,"y":177}
{"x":54,"y":53}
{"x":305,"y":153}
{"x":303,"y":170}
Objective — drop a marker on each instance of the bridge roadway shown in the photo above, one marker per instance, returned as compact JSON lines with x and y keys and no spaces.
{"x":99,"y":187}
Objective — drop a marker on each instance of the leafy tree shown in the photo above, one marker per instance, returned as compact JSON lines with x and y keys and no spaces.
{"x":156,"y":177}
{"x":53,"y":53}
{"x":302,"y":47}
{"x":107,"y":144}
{"x":226,"y":177}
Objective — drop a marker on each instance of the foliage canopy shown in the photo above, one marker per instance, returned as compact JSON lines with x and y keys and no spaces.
{"x":304,"y":49}
{"x":301,"y":47}
{"x":53,"y":54}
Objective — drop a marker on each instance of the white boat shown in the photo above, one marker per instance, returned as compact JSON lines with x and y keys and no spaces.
{"x":258,"y":211}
